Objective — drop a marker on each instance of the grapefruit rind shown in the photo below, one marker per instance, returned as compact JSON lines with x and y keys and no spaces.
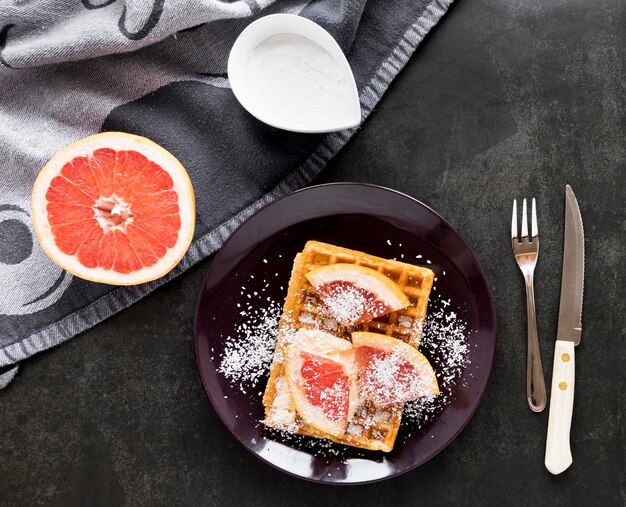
{"x":117,"y":141}
{"x":328,"y":347}
{"x":382,"y":287}
{"x":424,"y":383}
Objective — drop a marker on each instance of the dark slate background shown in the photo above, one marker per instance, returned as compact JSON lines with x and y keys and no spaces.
{"x":503,"y":100}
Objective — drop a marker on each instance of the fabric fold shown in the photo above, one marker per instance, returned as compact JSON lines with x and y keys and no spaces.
{"x":173,"y":91}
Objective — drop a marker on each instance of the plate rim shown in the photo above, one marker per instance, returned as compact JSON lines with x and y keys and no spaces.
{"x":493,"y":325}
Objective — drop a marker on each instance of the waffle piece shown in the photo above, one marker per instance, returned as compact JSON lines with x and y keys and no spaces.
{"x":370,"y":427}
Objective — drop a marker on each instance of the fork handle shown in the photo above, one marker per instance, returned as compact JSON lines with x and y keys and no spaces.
{"x":535,"y":383}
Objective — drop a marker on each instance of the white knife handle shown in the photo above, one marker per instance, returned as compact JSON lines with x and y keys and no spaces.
{"x":558,"y":453}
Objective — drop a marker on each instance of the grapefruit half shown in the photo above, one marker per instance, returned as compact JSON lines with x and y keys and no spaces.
{"x":321,"y":377}
{"x":114,"y":208}
{"x":355,"y":294}
{"x":391,"y":371}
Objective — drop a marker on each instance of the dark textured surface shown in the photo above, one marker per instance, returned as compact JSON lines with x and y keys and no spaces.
{"x":504,"y":100}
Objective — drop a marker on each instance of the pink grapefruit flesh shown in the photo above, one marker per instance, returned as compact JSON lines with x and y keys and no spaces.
{"x":326,"y":385}
{"x":321,"y":379}
{"x":114,"y":208}
{"x":355,"y":294}
{"x":390,"y":371}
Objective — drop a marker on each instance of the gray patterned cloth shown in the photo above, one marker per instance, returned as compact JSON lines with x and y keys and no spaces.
{"x":157,"y":68}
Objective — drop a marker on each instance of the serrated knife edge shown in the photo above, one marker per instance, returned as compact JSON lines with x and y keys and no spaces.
{"x":573,"y":277}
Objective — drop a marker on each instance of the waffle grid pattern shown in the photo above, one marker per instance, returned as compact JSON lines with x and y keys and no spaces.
{"x":370,"y":427}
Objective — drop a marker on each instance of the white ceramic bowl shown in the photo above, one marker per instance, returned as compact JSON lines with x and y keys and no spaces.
{"x":261,"y":30}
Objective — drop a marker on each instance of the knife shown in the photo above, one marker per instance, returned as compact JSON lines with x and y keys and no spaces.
{"x":558,"y":453}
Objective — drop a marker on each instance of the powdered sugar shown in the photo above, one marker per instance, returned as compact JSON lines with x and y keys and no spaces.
{"x":445,"y":342}
{"x":282,"y":414}
{"x":445,"y":332}
{"x":390,"y":377}
{"x":348,"y":303}
{"x":249,"y":351}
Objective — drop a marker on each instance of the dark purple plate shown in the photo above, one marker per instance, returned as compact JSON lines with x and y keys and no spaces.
{"x":259,"y":256}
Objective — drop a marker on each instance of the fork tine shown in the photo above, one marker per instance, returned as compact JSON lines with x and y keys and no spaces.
{"x":533,"y":224}
{"x":514,"y":220}
{"x":524,"y":220}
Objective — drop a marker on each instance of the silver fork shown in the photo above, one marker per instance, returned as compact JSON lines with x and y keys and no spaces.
{"x":526,"y":250}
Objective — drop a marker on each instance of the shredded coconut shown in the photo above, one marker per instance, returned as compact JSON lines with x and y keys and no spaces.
{"x":445,"y":343}
{"x":349,"y":303}
{"x":391,"y":377}
{"x":249,"y":351}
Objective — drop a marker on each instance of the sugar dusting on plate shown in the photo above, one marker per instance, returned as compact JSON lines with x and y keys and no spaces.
{"x":445,"y":343}
{"x":249,"y":351}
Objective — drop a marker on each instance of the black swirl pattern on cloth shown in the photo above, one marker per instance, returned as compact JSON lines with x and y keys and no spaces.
{"x":4,"y":33}
{"x":151,"y":22}
{"x":32,"y":279}
{"x":16,"y":241}
{"x":91,"y":6}
{"x":169,"y":84}
{"x":148,"y":26}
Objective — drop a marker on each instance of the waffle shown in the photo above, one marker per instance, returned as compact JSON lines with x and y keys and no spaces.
{"x":370,"y":427}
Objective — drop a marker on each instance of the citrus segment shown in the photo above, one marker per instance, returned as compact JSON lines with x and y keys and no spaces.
{"x":391,"y":371}
{"x":320,"y":373}
{"x":325,"y":385}
{"x":355,"y":294}
{"x":114,"y":208}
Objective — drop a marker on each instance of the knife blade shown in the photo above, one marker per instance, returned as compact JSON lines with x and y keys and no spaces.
{"x":558,"y":453}
{"x":573,"y":277}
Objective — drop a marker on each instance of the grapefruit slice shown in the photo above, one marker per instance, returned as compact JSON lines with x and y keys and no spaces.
{"x":321,"y":378}
{"x":114,"y":208}
{"x":391,"y":371}
{"x":355,"y":294}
